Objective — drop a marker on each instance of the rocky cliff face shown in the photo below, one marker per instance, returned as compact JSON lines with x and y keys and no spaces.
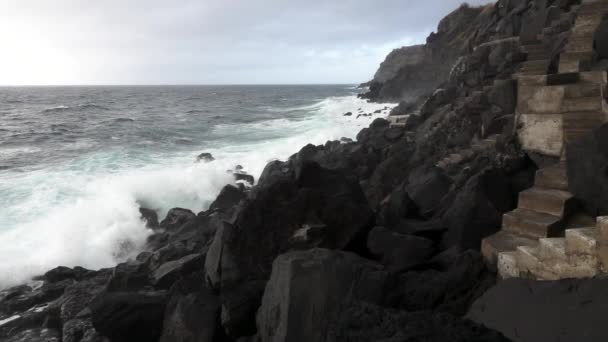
{"x":413,"y":71}
{"x":396,"y":60}
{"x":373,"y":240}
{"x":459,"y":35}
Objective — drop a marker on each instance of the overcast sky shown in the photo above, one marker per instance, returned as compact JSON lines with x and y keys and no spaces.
{"x":207,"y":41}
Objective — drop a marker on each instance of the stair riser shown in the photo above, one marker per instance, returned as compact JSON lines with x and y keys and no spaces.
{"x":551,"y":179}
{"x":524,"y":227}
{"x":572,"y":137}
{"x":543,"y":204}
{"x":527,"y":264}
{"x":602,"y":244}
{"x":583,"y":90}
{"x":576,"y":246}
{"x":585,"y":104}
{"x":507,"y":265}
{"x":550,"y":251}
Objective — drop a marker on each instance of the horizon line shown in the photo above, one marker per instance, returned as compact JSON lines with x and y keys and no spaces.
{"x":173,"y":84}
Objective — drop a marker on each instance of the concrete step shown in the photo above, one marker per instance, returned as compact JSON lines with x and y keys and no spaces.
{"x":553,"y":177}
{"x":591,"y":10}
{"x":548,"y":201}
{"x":578,"y":90}
{"x":539,"y":56}
{"x":569,"y":66}
{"x":602,"y":243}
{"x":586,"y":27}
{"x":563,"y":78}
{"x":527,"y":261}
{"x":530,"y":265}
{"x":530,"y":72}
{"x":531,"y":224}
{"x":506,"y":265}
{"x":598,"y":77}
{"x":581,"y":242}
{"x":543,"y":63}
{"x":571,"y":136}
{"x":551,"y":249}
{"x":579,"y":44}
{"x":577,"y":56}
{"x":582,"y":104}
{"x":534,"y":48}
{"x":583,"y":120}
{"x":503,"y":241}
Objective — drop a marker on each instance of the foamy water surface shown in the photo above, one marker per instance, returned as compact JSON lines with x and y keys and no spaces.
{"x":77,"y":163}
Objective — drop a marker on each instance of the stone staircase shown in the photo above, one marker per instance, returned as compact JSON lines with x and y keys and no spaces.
{"x":538,"y":239}
{"x":541,"y":213}
{"x":397,"y":120}
{"x":578,"y":53}
{"x":580,"y":253}
{"x":538,"y":60}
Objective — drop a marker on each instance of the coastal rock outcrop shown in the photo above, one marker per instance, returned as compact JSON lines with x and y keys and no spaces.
{"x":323,"y":295}
{"x":314,"y":208}
{"x":129,"y":316}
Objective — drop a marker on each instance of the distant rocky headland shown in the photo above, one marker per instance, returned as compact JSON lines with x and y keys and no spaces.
{"x":474,"y":212}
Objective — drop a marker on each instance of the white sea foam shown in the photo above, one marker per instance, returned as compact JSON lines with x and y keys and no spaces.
{"x":79,"y":214}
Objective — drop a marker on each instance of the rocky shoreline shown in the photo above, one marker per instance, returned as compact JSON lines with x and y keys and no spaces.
{"x":376,"y":239}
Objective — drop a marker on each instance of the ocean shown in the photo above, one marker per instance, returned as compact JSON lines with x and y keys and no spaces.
{"x":76,"y":163}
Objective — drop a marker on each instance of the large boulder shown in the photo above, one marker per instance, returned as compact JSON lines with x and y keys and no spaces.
{"x":450,"y":282}
{"x":192,"y":312}
{"x":396,"y":207}
{"x":476,"y":209}
{"x":280,"y":212}
{"x":239,"y":261}
{"x":169,"y":272}
{"x":399,"y":251}
{"x":308,"y":290}
{"x":587,"y":165}
{"x":129,"y":276}
{"x":534,"y":311}
{"x":427,"y":188}
{"x":150,"y":217}
{"x":228,"y":198}
{"x":129,"y":316}
{"x":176,"y":217}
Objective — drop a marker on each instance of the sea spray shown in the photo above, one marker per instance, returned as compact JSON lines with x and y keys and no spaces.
{"x":85,"y":210}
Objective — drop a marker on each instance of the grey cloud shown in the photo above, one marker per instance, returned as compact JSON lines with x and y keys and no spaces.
{"x":226,"y":41}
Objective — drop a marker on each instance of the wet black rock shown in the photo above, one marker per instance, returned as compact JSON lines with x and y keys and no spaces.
{"x":228,"y":198}
{"x":169,"y":272}
{"x":243,"y":176}
{"x":150,"y":216}
{"x":302,"y":282}
{"x":239,"y":262}
{"x":399,"y":251}
{"x":129,"y":316}
{"x":176,"y":217}
{"x":192,"y":313}
{"x":205,"y":157}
